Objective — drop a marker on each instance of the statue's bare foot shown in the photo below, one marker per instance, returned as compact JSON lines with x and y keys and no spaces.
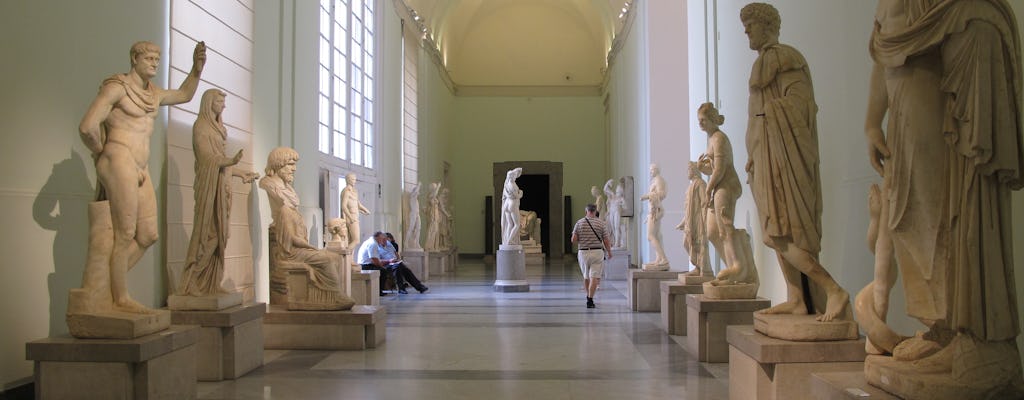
{"x":789,"y":307}
{"x":836,"y":304}
{"x":127,"y":304}
{"x":728,"y":274}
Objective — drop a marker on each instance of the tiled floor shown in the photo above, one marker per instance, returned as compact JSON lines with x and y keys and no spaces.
{"x":461,"y":340}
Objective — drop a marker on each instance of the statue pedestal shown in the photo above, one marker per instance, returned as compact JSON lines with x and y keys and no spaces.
{"x":203,"y":303}
{"x":302,"y":295}
{"x":695,"y":279}
{"x":673,"y":305}
{"x":347,"y":266}
{"x":707,"y":319}
{"x":762,"y":367}
{"x":157,"y":366}
{"x":845,"y":386}
{"x":366,"y":287}
{"x":453,"y":258}
{"x":804,"y":328}
{"x":511,"y":273}
{"x":439,"y":262}
{"x":656,"y":267}
{"x":618,"y":266}
{"x":644,"y":290}
{"x":418,"y":262}
{"x":230,"y":341}
{"x":360,"y":328}
{"x":534,"y":252}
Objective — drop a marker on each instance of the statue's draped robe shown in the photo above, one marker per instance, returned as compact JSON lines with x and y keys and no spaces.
{"x":956,"y":254}
{"x":695,"y":237}
{"x":204,"y":263}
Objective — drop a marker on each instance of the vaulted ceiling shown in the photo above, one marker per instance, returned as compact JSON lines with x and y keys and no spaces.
{"x":522,"y":42}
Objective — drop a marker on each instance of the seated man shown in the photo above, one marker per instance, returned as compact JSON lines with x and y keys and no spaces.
{"x":376,"y":254}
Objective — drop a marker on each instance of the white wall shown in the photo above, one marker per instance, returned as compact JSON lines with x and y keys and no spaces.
{"x":58,"y":54}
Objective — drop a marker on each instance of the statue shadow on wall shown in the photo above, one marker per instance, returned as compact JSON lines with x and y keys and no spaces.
{"x":174,"y":205}
{"x":61,"y":206}
{"x":257,"y":235}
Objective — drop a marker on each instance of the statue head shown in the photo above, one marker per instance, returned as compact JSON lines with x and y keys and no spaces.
{"x":513,"y":173}
{"x":212,"y":104}
{"x":655,"y":170}
{"x":595,"y":191}
{"x":693,"y":169}
{"x":761,"y":23}
{"x":281,"y":163}
{"x":336,"y":226}
{"x":350,"y":179}
{"x":709,"y":118}
{"x":145,"y":59}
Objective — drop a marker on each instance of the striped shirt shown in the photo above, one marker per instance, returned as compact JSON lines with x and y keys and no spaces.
{"x":585,"y":236}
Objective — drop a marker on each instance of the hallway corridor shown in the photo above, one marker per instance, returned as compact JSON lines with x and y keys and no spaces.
{"x":461,"y":340}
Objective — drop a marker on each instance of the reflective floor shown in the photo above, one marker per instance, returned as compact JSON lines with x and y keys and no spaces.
{"x":461,"y":340}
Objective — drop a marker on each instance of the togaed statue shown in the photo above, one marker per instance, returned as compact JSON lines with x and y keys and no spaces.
{"x":301,"y":276}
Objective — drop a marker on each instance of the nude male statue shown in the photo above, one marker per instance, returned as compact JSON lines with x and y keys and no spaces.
{"x":351,"y":208}
{"x":116,"y":128}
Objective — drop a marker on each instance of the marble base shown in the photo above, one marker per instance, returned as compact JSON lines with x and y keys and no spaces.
{"x":723,"y":291}
{"x":655,"y":267}
{"x":230,"y":341}
{"x":511,"y":270}
{"x":618,"y":266}
{"x":673,"y":305}
{"x":157,"y":366}
{"x":535,"y":258}
{"x":909,"y":381}
{"x":360,"y":328}
{"x":204,"y":303}
{"x":117,"y":324}
{"x":707,"y":319}
{"x":845,"y":386}
{"x":303,"y":296}
{"x":804,"y":328}
{"x":644,"y":291}
{"x":439,"y":262}
{"x":762,"y":367}
{"x":695,"y":279}
{"x":418,"y":262}
{"x":366,"y":287}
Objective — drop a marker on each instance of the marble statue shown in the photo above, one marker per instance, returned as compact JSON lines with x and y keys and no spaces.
{"x":655,"y":194}
{"x":529,"y":226}
{"x":615,"y":203}
{"x":510,"y":196}
{"x":411,"y":241}
{"x":948,"y":74}
{"x":447,"y":222}
{"x":695,"y":237}
{"x":204,"y":263}
{"x":351,"y":207}
{"x":602,"y":204}
{"x":437,"y":219}
{"x":116,"y":129}
{"x":290,"y":249}
{"x":782,"y":166}
{"x":338,"y":234}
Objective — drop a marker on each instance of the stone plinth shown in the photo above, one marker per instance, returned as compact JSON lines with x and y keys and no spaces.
{"x":439,"y":262}
{"x":673,"y":305}
{"x":418,"y":262}
{"x":707,"y":319}
{"x":762,"y":367}
{"x":109,"y":323}
{"x":156,"y":366}
{"x":804,"y":328}
{"x":360,"y":328}
{"x":511,"y":270}
{"x":230,"y":340}
{"x":453,"y":258}
{"x":644,"y":289}
{"x":366,"y":287}
{"x":695,"y":279}
{"x":535,"y":258}
{"x":204,"y":303}
{"x":845,"y":386}
{"x":616,"y":268}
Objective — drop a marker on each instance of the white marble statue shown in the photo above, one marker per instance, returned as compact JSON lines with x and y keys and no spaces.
{"x":613,"y":205}
{"x":116,"y":129}
{"x":948,"y":75}
{"x":529,"y":226}
{"x":290,"y":249}
{"x":782,"y":166}
{"x":693,"y":225}
{"x":351,"y":208}
{"x":437,"y":219}
{"x":510,"y":196}
{"x":411,"y":241}
{"x":448,"y":222}
{"x":204,"y":263}
{"x":655,"y":195}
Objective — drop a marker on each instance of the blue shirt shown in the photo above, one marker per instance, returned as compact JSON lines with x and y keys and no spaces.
{"x":387,"y":252}
{"x":369,"y":249}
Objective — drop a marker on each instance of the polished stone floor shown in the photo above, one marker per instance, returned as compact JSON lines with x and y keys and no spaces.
{"x":461,"y":340}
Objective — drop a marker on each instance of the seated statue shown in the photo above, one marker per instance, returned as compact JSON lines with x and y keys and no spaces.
{"x":529,"y":226}
{"x":295,"y":265}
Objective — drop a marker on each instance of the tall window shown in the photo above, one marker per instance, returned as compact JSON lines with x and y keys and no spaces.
{"x":346,"y":129}
{"x":410,"y":136}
